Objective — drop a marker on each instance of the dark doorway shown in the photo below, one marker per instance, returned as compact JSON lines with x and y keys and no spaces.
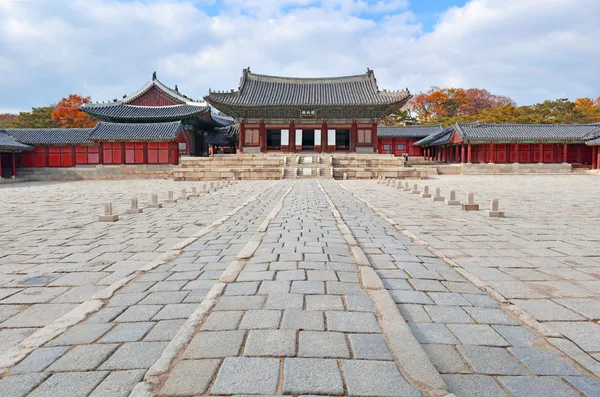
{"x":308,"y":139}
{"x":342,"y":139}
{"x":273,"y":139}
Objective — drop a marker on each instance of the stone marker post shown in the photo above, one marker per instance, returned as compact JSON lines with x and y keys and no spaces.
{"x":426,"y":193}
{"x":452,"y":199}
{"x":346,"y":176}
{"x":154,"y":202}
{"x":184,"y":195}
{"x":204,"y":189}
{"x":438,"y":195}
{"x":494,"y":211}
{"x":170,"y":198}
{"x":406,"y":187}
{"x":194,"y":192}
{"x":470,"y":205}
{"x":415,"y":189}
{"x":211,"y":187}
{"x":135,"y":209}
{"x":108,"y":214}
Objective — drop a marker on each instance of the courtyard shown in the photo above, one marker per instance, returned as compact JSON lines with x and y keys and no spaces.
{"x":305,"y":287}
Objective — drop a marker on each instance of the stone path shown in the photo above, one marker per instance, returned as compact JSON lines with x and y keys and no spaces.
{"x":543,"y":258}
{"x":284,"y":289}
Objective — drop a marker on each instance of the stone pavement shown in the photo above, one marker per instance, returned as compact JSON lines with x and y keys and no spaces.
{"x":543,"y":258}
{"x":266,"y":289}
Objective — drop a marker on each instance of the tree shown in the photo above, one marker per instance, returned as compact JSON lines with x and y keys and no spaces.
{"x":401,"y":117}
{"x":37,"y":118}
{"x":6,"y":118}
{"x":68,"y":115}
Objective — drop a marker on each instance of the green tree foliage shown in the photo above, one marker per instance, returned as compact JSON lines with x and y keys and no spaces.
{"x":37,"y":118}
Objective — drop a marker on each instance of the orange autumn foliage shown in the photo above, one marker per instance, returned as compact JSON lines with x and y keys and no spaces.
{"x":67,"y":114}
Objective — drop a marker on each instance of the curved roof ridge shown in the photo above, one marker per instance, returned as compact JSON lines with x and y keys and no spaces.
{"x":285,"y":79}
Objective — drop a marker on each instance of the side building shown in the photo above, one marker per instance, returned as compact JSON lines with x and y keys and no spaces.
{"x":400,"y":140}
{"x":286,"y":114}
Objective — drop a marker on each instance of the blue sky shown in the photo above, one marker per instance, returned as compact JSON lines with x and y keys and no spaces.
{"x":529,"y":50}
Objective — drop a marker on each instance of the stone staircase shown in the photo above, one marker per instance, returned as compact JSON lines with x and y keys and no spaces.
{"x":306,"y":167}
{"x":373,"y":166}
{"x":238,"y":166}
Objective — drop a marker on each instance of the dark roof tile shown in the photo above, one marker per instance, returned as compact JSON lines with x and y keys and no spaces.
{"x":7,"y":144}
{"x":408,"y":131}
{"x":106,"y":131}
{"x":50,"y":136}
{"x":479,"y":132}
{"x":121,"y":112}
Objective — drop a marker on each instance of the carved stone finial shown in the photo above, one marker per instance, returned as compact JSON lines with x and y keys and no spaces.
{"x":176,"y":88}
{"x":154,"y":76}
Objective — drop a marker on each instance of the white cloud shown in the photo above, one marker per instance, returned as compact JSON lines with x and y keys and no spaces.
{"x":530,"y":50}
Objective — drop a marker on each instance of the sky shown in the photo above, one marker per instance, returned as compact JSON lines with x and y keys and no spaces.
{"x":529,"y":50}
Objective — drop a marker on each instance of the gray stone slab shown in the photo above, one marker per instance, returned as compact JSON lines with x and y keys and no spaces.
{"x":414,"y":313}
{"x":432,"y":333}
{"x":127,"y":332}
{"x":271,"y":343}
{"x":585,"y":334}
{"x":72,"y":384}
{"x":81,"y":334}
{"x":448,"y":314}
{"x":359,"y":303}
{"x":417,"y":297}
{"x":449,"y":298}
{"x":248,"y":288}
{"x":547,"y":310}
{"x":324,"y":302}
{"x":527,"y":386}
{"x":164,"y":330}
{"x":135,"y":355}
{"x":486,"y":315}
{"x":118,"y":384}
{"x":247,"y":375}
{"x":215,"y":344}
{"x":544,"y":361}
{"x":516,"y":335}
{"x":83,"y":358}
{"x":322,"y":344}
{"x":340,"y":288}
{"x":308,"y":287}
{"x":163,"y":298}
{"x":590,"y":387}
{"x":473,"y":385}
{"x":491,"y":360}
{"x":175,"y":311}
{"x":127,"y":299}
{"x":20,"y":385}
{"x":480,"y":300}
{"x":106,"y":315}
{"x":240,"y":303}
{"x":477,"y":334}
{"x":274,"y":287}
{"x":312,"y":375}
{"x":35,"y":295}
{"x":38,"y":315}
{"x":369,"y":347}
{"x":190,"y":377}
{"x":306,"y":320}
{"x":376,"y":378}
{"x":397,"y":284}
{"x":39,"y":360}
{"x":285,"y":301}
{"x":261,"y":319}
{"x":446,"y":359}
{"x":587,"y":307}
{"x":351,"y":321}
{"x":138,"y":313}
{"x":218,"y":321}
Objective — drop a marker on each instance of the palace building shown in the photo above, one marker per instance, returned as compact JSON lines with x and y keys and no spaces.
{"x":285,"y":114}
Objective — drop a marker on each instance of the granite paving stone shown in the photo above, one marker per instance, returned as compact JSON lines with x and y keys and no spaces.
{"x":39,"y":360}
{"x":473,"y":385}
{"x":134,"y":355}
{"x":526,"y":386}
{"x":271,"y":343}
{"x":491,"y":360}
{"x":72,"y":384}
{"x":247,"y":375}
{"x":311,"y":375}
{"x":190,"y":377}
{"x":83,"y":358}
{"x":20,"y":385}
{"x":376,"y":378}
{"x":118,"y":384}
{"x":369,"y":347}
{"x":322,"y":344}
{"x":215,"y":344}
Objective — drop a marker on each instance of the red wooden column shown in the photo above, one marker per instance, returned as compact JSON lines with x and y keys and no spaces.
{"x":462,"y":153}
{"x":292,"y":137}
{"x":597,"y":157}
{"x":594,"y":155}
{"x":242,"y":137}
{"x":262,"y":136}
{"x":518,"y":154}
{"x":374,"y":138}
{"x":469,"y":153}
{"x":13,"y":164}
{"x":457,"y":155}
{"x":353,"y":136}
{"x":565,"y":152}
{"x":324,"y":136}
{"x":541,"y":149}
{"x":492,"y":152}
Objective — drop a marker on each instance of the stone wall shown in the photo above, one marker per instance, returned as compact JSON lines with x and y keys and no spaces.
{"x":129,"y":171}
{"x":514,"y":168}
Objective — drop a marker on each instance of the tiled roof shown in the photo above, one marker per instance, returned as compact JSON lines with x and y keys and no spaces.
{"x":121,"y":112}
{"x":217,"y":138}
{"x":479,"y":132}
{"x":7,"y":144}
{"x":155,"y":83}
{"x":50,"y":136}
{"x":433,"y":137}
{"x":258,"y":90}
{"x":408,"y":131}
{"x":593,"y":142}
{"x":105,"y":131}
